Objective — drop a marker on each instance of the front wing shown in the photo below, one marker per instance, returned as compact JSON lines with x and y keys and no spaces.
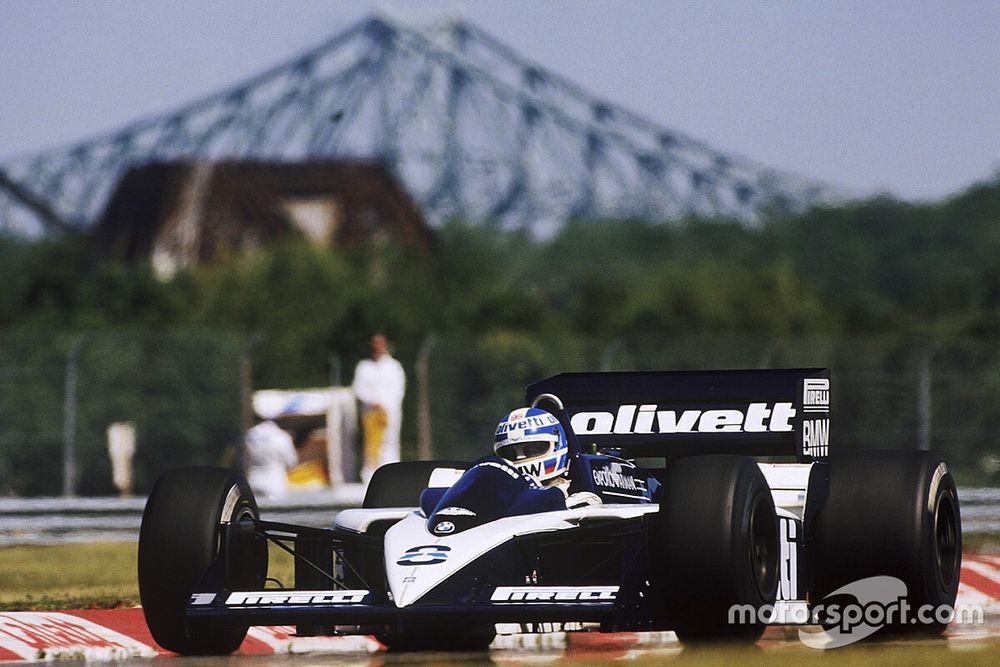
{"x":527,"y":580}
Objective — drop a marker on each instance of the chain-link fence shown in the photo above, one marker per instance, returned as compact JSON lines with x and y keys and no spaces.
{"x":59,"y":394}
{"x":186,"y":393}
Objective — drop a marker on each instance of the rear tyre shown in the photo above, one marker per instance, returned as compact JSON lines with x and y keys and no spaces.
{"x":400,"y":484}
{"x":891,"y":513}
{"x":714,"y":544}
{"x":179,"y":538}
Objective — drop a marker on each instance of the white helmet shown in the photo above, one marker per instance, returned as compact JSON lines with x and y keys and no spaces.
{"x":534,"y":442}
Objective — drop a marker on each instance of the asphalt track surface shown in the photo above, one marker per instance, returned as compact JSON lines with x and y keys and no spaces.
{"x":779,"y":647}
{"x":974,"y":644}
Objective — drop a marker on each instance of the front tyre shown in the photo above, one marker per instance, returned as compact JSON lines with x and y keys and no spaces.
{"x":179,"y":538}
{"x":714,"y":545}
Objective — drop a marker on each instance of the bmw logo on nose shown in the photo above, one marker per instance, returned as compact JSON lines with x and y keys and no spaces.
{"x":424,"y":555}
{"x":444,"y":528}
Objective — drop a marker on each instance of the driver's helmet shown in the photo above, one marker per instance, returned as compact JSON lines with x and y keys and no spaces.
{"x":534,"y":442}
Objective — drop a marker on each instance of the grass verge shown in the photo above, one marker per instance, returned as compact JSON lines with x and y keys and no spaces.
{"x":981,"y":542}
{"x":84,"y":576}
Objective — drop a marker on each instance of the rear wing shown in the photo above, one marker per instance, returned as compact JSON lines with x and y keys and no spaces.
{"x":783,"y":412}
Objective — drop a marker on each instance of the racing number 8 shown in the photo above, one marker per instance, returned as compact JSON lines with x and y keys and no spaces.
{"x":424,"y":555}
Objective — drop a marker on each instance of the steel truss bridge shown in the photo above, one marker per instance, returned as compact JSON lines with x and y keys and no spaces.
{"x":469,"y":126}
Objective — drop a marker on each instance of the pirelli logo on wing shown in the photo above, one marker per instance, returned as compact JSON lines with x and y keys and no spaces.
{"x":642,"y":419}
{"x":555,"y":594}
{"x":278,"y":598}
{"x":816,"y":395}
{"x":816,"y":425}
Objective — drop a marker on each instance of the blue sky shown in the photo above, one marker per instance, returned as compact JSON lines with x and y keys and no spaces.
{"x":896,"y":96}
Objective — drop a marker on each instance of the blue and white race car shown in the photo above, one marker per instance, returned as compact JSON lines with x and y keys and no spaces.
{"x":681,"y":526}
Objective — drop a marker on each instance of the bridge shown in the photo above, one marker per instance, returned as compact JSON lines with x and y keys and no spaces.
{"x":469,"y":126}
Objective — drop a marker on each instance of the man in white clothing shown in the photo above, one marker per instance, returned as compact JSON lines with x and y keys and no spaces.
{"x":379,"y":384}
{"x":269,"y":454}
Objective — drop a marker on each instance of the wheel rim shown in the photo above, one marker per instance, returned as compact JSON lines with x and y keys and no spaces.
{"x":945,"y":539}
{"x":763,"y":548}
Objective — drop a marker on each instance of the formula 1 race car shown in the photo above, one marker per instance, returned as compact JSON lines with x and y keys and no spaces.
{"x":688,"y":528}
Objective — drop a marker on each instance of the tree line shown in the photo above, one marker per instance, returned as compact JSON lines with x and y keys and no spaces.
{"x":520,"y":305}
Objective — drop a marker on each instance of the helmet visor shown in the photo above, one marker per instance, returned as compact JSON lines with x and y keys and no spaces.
{"x":528,"y":449}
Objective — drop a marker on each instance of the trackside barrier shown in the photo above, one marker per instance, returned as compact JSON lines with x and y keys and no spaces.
{"x":980,"y":510}
{"x":60,"y":520}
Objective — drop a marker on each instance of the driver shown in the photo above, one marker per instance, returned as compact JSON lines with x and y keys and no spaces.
{"x":533,"y":441}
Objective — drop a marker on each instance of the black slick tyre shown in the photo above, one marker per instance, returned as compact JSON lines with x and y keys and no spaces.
{"x":400,"y":484}
{"x":179,"y":538}
{"x":891,"y":513}
{"x":714,"y":545}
